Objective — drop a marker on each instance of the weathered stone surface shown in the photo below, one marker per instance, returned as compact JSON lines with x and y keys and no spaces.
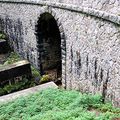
{"x":90,"y":32}
{"x":14,"y":70}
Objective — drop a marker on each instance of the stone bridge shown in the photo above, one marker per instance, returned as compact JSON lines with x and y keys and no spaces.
{"x":78,"y":38}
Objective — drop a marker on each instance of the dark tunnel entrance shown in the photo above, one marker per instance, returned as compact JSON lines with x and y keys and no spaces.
{"x":49,"y":46}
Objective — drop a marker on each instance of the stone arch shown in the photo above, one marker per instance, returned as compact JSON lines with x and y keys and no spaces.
{"x":48,"y":12}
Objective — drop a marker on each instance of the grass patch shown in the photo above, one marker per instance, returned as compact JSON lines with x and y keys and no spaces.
{"x":56,"y":104}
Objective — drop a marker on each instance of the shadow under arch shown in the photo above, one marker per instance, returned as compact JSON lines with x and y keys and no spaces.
{"x":50,"y":44}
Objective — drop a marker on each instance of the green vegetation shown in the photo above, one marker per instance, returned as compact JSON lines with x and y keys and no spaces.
{"x":56,"y":104}
{"x":2,"y":36}
{"x":35,"y":72}
{"x":18,"y":84}
{"x":13,"y":57}
{"x":45,"y":78}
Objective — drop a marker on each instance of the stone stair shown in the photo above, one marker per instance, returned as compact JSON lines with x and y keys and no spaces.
{"x":26,"y":92}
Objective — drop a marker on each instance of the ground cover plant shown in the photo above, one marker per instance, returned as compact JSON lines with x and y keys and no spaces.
{"x":58,"y":104}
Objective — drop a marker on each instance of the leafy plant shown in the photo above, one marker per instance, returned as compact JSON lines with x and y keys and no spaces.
{"x":55,"y":104}
{"x":9,"y":88}
{"x":2,"y":92}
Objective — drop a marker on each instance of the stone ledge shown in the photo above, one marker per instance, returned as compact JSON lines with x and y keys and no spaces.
{"x":14,"y":70}
{"x":12,"y":96}
{"x":89,"y":11}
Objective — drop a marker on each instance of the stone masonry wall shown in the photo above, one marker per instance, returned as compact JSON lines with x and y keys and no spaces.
{"x":93,"y":55}
{"x":18,"y":23}
{"x":90,"y":60}
{"x":111,"y":6}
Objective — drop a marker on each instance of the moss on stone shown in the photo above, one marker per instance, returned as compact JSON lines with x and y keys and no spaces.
{"x":13,"y":57}
{"x":2,"y":36}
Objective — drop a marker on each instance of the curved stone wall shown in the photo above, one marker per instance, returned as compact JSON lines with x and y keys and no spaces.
{"x":91,"y":40}
{"x":110,"y":6}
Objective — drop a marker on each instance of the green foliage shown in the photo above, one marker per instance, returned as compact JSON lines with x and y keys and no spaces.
{"x":45,"y":78}
{"x":106,"y":108}
{"x":25,"y":83}
{"x":9,"y":88}
{"x":2,"y":36}
{"x":2,"y":91}
{"x":55,"y":104}
{"x":14,"y":57}
{"x":35,"y":72}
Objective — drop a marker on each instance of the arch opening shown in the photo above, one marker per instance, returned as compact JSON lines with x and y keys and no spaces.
{"x":49,"y":46}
